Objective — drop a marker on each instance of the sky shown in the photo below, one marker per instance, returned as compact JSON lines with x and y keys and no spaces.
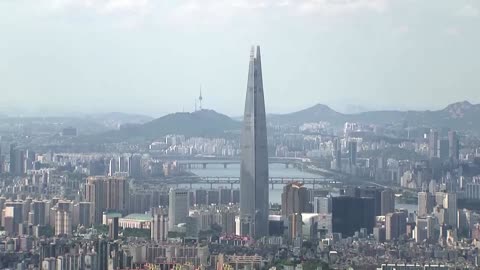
{"x":152,"y":56}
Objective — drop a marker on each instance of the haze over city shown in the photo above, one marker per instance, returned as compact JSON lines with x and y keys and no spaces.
{"x":239,"y":134}
{"x":151,"y":57}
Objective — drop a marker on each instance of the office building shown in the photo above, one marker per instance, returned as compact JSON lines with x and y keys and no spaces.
{"x":213,"y":197}
{"x":450,"y":204}
{"x":443,"y":150}
{"x":113,"y":228}
{"x":352,"y":154}
{"x":178,"y":207}
{"x":425,"y":204}
{"x":433,"y":143}
{"x":225,"y":196}
{"x":200,"y":196}
{"x":454,"y":145}
{"x":254,"y":203}
{"x":294,"y":199}
{"x":322,"y":205}
{"x":424,"y":228}
{"x":387,"y":204}
{"x":17,"y":161}
{"x":373,"y":192}
{"x":350,"y":214}
{"x":395,"y":225}
{"x":337,"y":153}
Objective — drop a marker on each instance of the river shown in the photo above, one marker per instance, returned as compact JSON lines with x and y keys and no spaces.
{"x":275,"y":170}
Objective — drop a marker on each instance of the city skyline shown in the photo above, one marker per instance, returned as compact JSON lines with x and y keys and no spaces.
{"x":123,"y":144}
{"x":359,"y":50}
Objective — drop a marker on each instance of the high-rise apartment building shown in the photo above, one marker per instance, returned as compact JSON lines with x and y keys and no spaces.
{"x":38,"y":210}
{"x":63,"y":223}
{"x":135,"y":166}
{"x":159,"y":228}
{"x":106,"y":193}
{"x":294,"y":199}
{"x":254,"y":203}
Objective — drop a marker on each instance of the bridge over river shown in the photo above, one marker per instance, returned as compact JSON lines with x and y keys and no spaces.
{"x":316,"y":182}
{"x":204,"y":162}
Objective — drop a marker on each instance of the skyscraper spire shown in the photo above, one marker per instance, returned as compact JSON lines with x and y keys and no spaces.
{"x":254,"y":203}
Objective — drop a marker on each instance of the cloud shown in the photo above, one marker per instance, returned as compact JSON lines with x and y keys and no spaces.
{"x":215,"y":10}
{"x":340,"y":7}
{"x":101,"y":6}
{"x":468,"y":11}
{"x":210,"y":13}
{"x":220,"y":8}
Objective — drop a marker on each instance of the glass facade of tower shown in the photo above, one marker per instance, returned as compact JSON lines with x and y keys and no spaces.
{"x":254,"y":203}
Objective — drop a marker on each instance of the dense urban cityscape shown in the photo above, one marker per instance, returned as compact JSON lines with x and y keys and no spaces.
{"x":239,"y":135}
{"x":338,"y":195}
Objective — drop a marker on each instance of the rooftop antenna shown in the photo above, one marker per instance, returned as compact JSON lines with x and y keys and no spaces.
{"x":200,"y":98}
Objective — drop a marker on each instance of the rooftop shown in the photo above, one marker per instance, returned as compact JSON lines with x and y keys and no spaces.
{"x":139,"y":217}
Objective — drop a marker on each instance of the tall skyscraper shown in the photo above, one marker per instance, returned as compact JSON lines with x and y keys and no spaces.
{"x":443,"y":150}
{"x":254,"y":203}
{"x":395,"y":225}
{"x":17,"y":162}
{"x":178,"y":207}
{"x":294,"y":199}
{"x":450,"y":203}
{"x":352,"y":154}
{"x":337,"y":154}
{"x":424,"y":228}
{"x":425,"y":204}
{"x":387,"y":202}
{"x":453,"y":145}
{"x":433,"y":143}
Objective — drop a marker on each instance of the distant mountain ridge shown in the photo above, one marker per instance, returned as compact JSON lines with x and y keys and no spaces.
{"x":208,"y":123}
{"x":205,"y":123}
{"x":459,"y":115}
